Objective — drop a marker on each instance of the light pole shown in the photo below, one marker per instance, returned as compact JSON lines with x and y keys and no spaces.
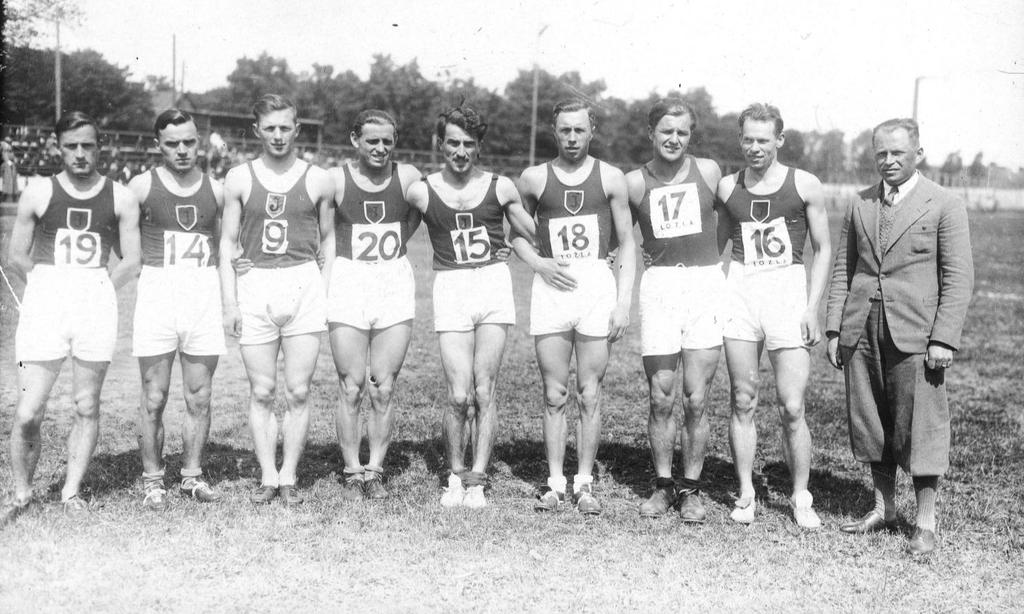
{"x":533,"y":108}
{"x":56,"y":67}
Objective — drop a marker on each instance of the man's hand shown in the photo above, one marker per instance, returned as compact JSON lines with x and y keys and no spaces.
{"x":833,"y":353}
{"x":241,"y":265}
{"x":617,"y":324}
{"x":503,"y":253}
{"x":938,"y":356}
{"x":233,"y":320}
{"x":555,"y":275}
{"x":810,"y":330}
{"x":610,"y":258}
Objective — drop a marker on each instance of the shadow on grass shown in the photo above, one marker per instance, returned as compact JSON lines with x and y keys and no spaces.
{"x":833,"y":493}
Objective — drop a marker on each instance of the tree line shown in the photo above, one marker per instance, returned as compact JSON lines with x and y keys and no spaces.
{"x":104,"y":90}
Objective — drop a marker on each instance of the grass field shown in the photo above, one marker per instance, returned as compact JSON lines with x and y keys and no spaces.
{"x":409,"y":554}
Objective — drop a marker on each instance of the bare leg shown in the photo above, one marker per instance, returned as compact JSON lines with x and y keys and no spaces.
{"x":88,"y":381}
{"x":387,"y":353}
{"x":554,"y":351}
{"x":490,"y":345}
{"x":661,"y":423}
{"x":197,"y":379}
{"x":699,"y":368}
{"x":349,"y":347}
{"x":742,"y":359}
{"x":792,"y":368}
{"x":591,"y":363}
{"x":35,"y":379}
{"x":156,"y":381}
{"x":261,"y":366}
{"x":300,"y":354}
{"x":457,"y":360}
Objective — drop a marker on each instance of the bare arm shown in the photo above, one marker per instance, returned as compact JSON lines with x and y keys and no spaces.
{"x":725,"y":221}
{"x":31,"y":206}
{"x":530,"y":186}
{"x":622,"y":219}
{"x":410,"y":176}
{"x":321,"y":183}
{"x":126,"y":206}
{"x":809,"y":188}
{"x":236,"y":185}
{"x":522,"y":222}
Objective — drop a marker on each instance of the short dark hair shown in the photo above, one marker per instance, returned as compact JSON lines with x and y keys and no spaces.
{"x":762,"y":112}
{"x":176,"y":117}
{"x":896,"y":123}
{"x":373,"y":116}
{"x":674,"y":106}
{"x":571,"y":105}
{"x":72,"y":120}
{"x":268,"y":103}
{"x":463,"y":116}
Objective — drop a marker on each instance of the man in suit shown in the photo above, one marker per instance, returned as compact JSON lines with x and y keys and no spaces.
{"x":901,"y":283}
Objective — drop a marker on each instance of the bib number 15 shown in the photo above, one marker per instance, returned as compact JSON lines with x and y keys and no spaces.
{"x":275,"y":236}
{"x":471,"y":245}
{"x":76,"y":248}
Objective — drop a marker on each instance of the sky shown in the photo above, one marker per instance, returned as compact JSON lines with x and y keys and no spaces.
{"x":843,"y":65}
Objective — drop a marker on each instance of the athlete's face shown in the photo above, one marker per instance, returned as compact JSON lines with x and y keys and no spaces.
{"x":179,"y":145}
{"x":896,"y":155}
{"x":277,"y":131}
{"x":374,"y":145}
{"x":79,"y":149}
{"x":671,"y":136}
{"x":573,"y":132}
{"x":460,"y":149}
{"x":759,"y":143}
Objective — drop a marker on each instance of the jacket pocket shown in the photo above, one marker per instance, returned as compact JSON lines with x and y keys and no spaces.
{"x":922,"y":238}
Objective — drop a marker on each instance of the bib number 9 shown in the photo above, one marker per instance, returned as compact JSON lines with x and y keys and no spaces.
{"x":375,"y":242}
{"x":471,"y":245}
{"x":76,"y":248}
{"x":767,"y":244}
{"x":188,"y":249}
{"x":574,"y":238}
{"x":275,"y":236}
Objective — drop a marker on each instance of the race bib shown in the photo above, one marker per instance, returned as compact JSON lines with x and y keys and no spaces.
{"x":471,"y":245}
{"x":767,"y":245}
{"x":376,"y":242}
{"x":77,"y":249}
{"x":275,"y":236}
{"x":186,"y":249}
{"x":574,"y":238}
{"x":675,"y":211}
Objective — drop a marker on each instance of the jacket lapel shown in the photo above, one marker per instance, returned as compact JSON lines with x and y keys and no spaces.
{"x":909,"y":211}
{"x":867,"y":209}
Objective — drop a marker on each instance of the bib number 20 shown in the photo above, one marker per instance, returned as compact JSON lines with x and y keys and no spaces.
{"x":275,"y":236}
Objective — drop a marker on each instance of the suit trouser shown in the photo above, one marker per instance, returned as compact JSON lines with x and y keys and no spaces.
{"x":897,"y":407}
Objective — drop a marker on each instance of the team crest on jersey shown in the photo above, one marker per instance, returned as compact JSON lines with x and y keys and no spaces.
{"x":187,"y":216}
{"x":276,"y":204}
{"x":373,"y":210}
{"x":464,"y":220}
{"x":760,"y":210}
{"x":572,"y":200}
{"x":79,"y":219}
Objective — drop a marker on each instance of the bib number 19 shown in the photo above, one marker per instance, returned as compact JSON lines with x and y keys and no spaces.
{"x":76,"y":248}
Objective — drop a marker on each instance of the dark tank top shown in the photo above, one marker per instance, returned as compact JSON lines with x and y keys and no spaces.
{"x":178,"y":230}
{"x":76,"y":233}
{"x":372,"y":226}
{"x":677,"y":220}
{"x":279,"y":229}
{"x":769,"y":230}
{"x":468,"y":238}
{"x":574,"y":223}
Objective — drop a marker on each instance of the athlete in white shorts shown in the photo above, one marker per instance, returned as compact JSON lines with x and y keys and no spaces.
{"x":464,"y":208}
{"x":178,"y":306}
{"x":277,"y":216}
{"x":672,"y":199}
{"x":372,"y":298}
{"x":768,"y":210}
{"x":579,"y":203}
{"x":60,"y":243}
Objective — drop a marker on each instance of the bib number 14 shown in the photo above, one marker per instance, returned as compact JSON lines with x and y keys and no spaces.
{"x":189,"y":249}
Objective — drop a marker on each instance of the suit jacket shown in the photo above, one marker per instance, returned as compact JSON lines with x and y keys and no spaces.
{"x":926,"y":275}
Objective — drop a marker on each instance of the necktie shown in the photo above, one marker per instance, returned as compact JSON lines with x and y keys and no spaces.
{"x":886,"y":216}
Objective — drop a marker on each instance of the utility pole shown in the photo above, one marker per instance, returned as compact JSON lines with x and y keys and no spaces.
{"x":56,"y":69}
{"x":174,"y":69}
{"x":533,"y":107}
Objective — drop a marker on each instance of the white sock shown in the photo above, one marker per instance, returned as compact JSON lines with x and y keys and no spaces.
{"x":557,"y":483}
{"x":579,"y":480}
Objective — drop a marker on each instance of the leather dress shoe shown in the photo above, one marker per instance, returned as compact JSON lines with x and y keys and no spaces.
{"x":922,"y":542}
{"x":868,"y":523}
